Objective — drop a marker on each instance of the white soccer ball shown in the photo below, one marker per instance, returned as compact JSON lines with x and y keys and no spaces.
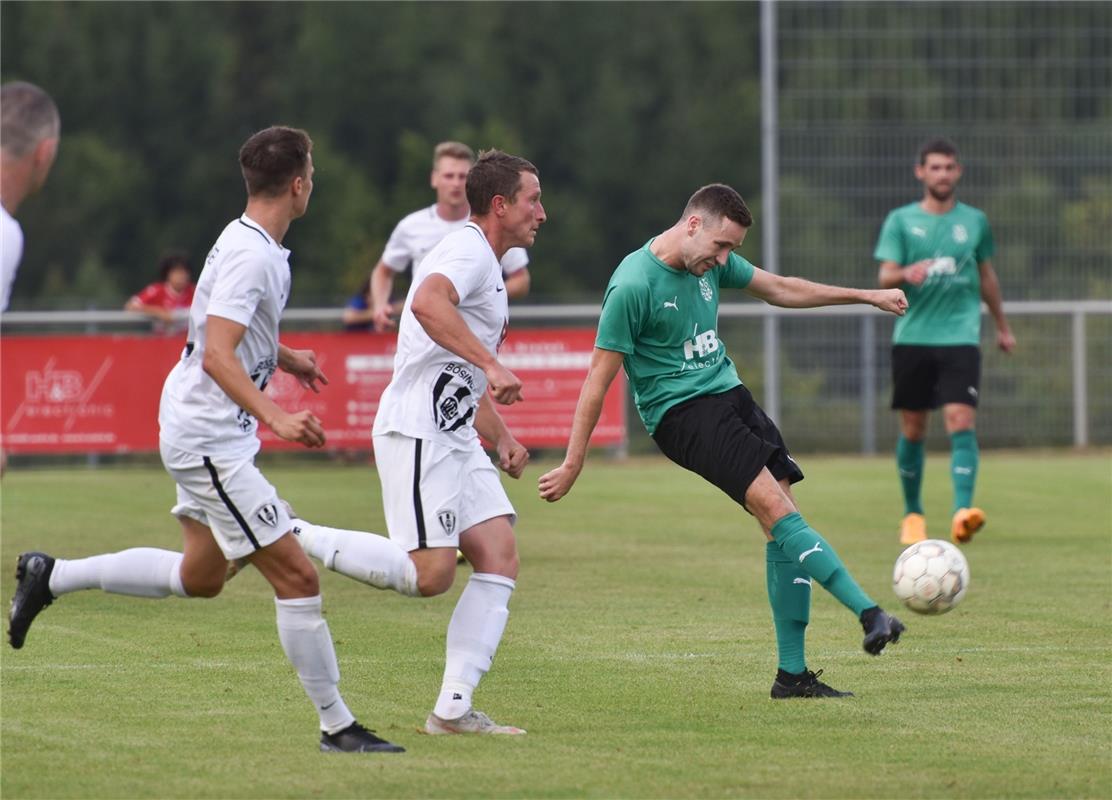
{"x":931,"y":576}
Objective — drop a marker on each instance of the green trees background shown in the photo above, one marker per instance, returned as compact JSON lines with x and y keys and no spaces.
{"x":625,"y":107}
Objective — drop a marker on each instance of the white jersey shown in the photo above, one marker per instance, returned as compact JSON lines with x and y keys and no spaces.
{"x":421,"y":231}
{"x":10,"y":256}
{"x":434,"y":394}
{"x":246,"y":279}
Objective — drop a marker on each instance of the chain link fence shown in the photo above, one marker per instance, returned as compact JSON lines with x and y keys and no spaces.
{"x":1025,"y":91}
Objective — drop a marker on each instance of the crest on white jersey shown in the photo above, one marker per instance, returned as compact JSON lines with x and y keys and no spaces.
{"x":268,"y":515}
{"x":447,"y":521}
{"x":453,"y":398}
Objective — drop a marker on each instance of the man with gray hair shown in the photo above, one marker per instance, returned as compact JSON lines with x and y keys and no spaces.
{"x":28,"y":143}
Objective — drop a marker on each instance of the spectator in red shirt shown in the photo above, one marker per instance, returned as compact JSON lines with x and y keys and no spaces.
{"x":160,"y":300}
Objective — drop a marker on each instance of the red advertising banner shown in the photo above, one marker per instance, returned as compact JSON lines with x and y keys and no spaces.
{"x":99,"y":393}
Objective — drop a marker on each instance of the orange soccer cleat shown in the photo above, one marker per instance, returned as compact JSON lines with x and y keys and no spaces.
{"x":967,"y":521}
{"x":913,"y":529}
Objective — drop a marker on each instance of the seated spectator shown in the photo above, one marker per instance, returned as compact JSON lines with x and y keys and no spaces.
{"x":358,"y":315}
{"x":172,"y":292}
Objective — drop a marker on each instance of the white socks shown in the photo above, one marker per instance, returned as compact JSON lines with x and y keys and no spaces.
{"x":473,"y":635}
{"x":366,"y":557}
{"x":140,"y":572}
{"x":308,"y":645}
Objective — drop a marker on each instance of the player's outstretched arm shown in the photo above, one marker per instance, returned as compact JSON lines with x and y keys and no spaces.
{"x":990,"y":293}
{"x":778,"y":290}
{"x":434,"y":306}
{"x":220,"y":363}
{"x":604,"y":366}
{"x":512,"y":455}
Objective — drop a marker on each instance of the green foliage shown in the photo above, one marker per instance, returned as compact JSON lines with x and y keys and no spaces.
{"x":157,"y":97}
{"x":625,"y":107}
{"x":639,"y":651}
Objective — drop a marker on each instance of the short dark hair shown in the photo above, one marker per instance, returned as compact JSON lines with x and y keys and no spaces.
{"x":452,"y":150}
{"x":170,"y":260}
{"x":720,"y":200}
{"x":495,"y":173}
{"x":940,"y":145}
{"x":27,"y":116}
{"x":272,"y":158}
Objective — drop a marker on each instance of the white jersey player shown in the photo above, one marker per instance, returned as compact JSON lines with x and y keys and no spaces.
{"x":29,"y":131}
{"x":10,"y":254}
{"x":418,"y":233}
{"x":434,"y":394}
{"x":440,"y":490}
{"x":208,"y":414}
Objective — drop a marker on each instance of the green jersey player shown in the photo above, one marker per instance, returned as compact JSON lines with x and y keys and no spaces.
{"x":659,"y":320}
{"x":939,"y":251}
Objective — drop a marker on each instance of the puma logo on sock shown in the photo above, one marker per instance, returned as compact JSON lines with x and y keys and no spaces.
{"x":816,"y":549}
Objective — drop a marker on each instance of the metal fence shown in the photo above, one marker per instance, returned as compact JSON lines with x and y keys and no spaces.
{"x":850,"y":91}
{"x":1023,"y":88}
{"x":833,"y":369}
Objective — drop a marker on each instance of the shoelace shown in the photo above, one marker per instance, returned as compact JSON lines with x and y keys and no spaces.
{"x":355,"y":727}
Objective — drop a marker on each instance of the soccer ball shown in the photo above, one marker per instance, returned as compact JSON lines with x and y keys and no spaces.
{"x":931,"y":577}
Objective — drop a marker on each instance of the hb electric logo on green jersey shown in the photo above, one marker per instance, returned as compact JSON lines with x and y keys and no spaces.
{"x":702,"y":345}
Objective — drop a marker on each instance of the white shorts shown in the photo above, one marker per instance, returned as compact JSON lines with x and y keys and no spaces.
{"x":432,"y":493}
{"x":230,"y":496}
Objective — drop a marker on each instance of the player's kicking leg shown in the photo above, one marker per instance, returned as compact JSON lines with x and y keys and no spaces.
{"x":804,"y":547}
{"x":789,"y":596}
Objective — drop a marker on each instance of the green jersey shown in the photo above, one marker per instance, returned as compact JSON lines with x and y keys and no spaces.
{"x":946,"y":308}
{"x":665,"y":322}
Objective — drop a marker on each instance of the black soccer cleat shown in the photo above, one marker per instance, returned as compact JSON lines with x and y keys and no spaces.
{"x":803,"y":684}
{"x":32,"y":594}
{"x":356,"y":739}
{"x":880,"y":629}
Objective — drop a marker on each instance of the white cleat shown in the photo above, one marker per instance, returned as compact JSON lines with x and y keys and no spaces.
{"x":471,"y":722}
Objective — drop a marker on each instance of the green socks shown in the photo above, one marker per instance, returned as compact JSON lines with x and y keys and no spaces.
{"x":814,"y":555}
{"x":909,"y":461}
{"x":964,"y":456}
{"x":789,"y":594}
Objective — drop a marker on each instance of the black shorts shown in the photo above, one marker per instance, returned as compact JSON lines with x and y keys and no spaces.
{"x":926,"y":376}
{"x":726,"y":438}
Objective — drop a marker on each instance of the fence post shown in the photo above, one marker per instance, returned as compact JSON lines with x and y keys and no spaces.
{"x":868,"y":384}
{"x":1080,"y":384}
{"x":770,"y":202}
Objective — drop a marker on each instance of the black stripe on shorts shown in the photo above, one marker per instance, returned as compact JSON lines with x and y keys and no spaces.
{"x":418,"y":509}
{"x":228,"y":502}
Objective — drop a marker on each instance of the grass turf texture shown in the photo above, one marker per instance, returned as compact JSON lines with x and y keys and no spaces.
{"x":639,"y":652}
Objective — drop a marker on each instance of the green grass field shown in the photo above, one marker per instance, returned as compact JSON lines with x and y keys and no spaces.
{"x":639,"y":652}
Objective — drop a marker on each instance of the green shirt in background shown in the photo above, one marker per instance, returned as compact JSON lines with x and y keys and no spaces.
{"x":946,"y":308}
{"x":665,"y":323}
